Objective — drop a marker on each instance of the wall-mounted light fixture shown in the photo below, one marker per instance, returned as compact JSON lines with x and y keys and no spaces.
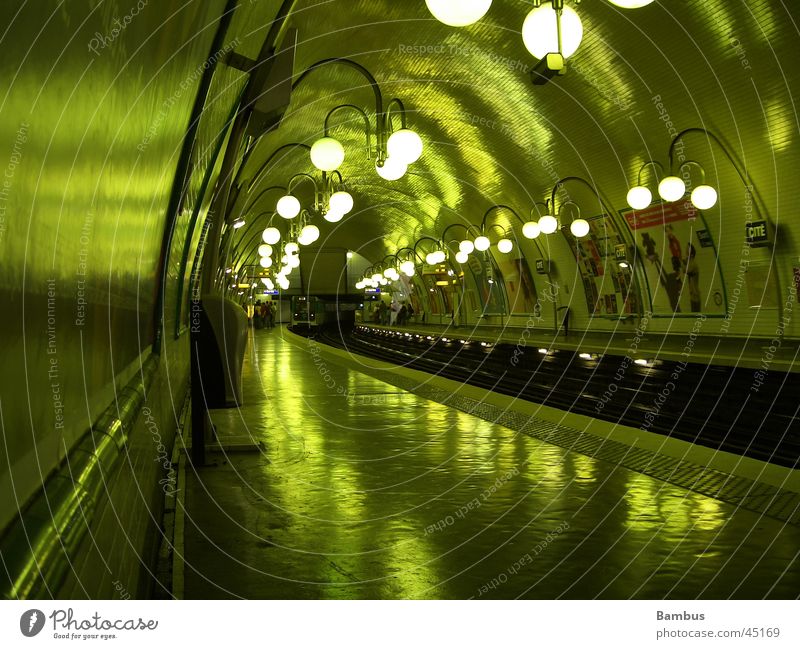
{"x":395,"y":149}
{"x":552,"y":31}
{"x":672,"y":188}
{"x":579,"y":227}
{"x":331,"y":198}
{"x":504,"y":244}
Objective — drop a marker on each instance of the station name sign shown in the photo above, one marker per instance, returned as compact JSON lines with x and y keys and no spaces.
{"x":757,"y":233}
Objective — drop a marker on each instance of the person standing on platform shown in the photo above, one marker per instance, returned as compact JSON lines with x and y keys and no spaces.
{"x":258,"y":322}
{"x":402,"y":315}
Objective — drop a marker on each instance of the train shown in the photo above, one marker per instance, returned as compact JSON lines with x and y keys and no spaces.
{"x":308,"y":312}
{"x":311,"y":313}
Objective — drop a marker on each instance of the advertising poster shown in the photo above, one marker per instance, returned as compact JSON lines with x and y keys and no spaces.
{"x":439,"y":294}
{"x":681,"y":266}
{"x":409,"y":292}
{"x":608,"y":288}
{"x":515,"y":275}
{"x":489,"y":287}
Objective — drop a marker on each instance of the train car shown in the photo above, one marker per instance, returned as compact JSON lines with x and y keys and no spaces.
{"x":308,"y":312}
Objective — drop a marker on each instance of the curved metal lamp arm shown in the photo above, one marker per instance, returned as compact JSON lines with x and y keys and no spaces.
{"x":655,"y":163}
{"x":497,"y":207}
{"x":569,"y":202}
{"x":367,"y":127}
{"x":402,"y":109}
{"x":698,"y":165}
{"x":262,"y":170}
{"x":379,"y":116}
{"x":453,"y":225}
{"x":412,"y":251}
{"x":604,"y":204}
{"x":546,"y":207}
{"x":301,"y":176}
{"x":425,"y":238}
{"x":261,"y":193}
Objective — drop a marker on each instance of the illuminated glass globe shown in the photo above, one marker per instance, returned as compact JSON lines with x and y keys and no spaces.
{"x":482,"y":243}
{"x":440,"y":256}
{"x":294,"y":261}
{"x":631,"y":4}
{"x":271,"y":235}
{"x":505,"y":245}
{"x":704,"y":197}
{"x":383,"y":281}
{"x":458,"y":13}
{"x":376,"y":277}
{"x":539,"y":31}
{"x":331,"y":216}
{"x":639,"y":197}
{"x":530,"y":230}
{"x":308,"y":235}
{"x":291,"y":248}
{"x":359,"y":285}
{"x":430,"y":258}
{"x":462,"y":257}
{"x":265,"y":250}
{"x":288,"y":206}
{"x":671,"y":188}
{"x":408,"y":268}
{"x":341,"y":202}
{"x":579,"y":228}
{"x":392,"y":169}
{"x":265,"y":262}
{"x":404,"y":145}
{"x":327,"y":154}
{"x":466,"y":246}
{"x":548,"y":224}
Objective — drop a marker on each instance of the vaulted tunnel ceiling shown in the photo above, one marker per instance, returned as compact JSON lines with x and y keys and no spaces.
{"x":491,"y":136}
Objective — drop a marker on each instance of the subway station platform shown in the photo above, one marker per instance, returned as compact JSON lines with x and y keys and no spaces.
{"x":332,"y":483}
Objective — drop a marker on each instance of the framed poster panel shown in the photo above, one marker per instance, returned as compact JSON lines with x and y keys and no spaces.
{"x":679,"y":259}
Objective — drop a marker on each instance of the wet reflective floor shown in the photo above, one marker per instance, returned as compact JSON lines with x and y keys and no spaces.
{"x":363,"y":490}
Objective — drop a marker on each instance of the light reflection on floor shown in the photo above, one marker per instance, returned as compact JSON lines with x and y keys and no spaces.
{"x":366,"y":491}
